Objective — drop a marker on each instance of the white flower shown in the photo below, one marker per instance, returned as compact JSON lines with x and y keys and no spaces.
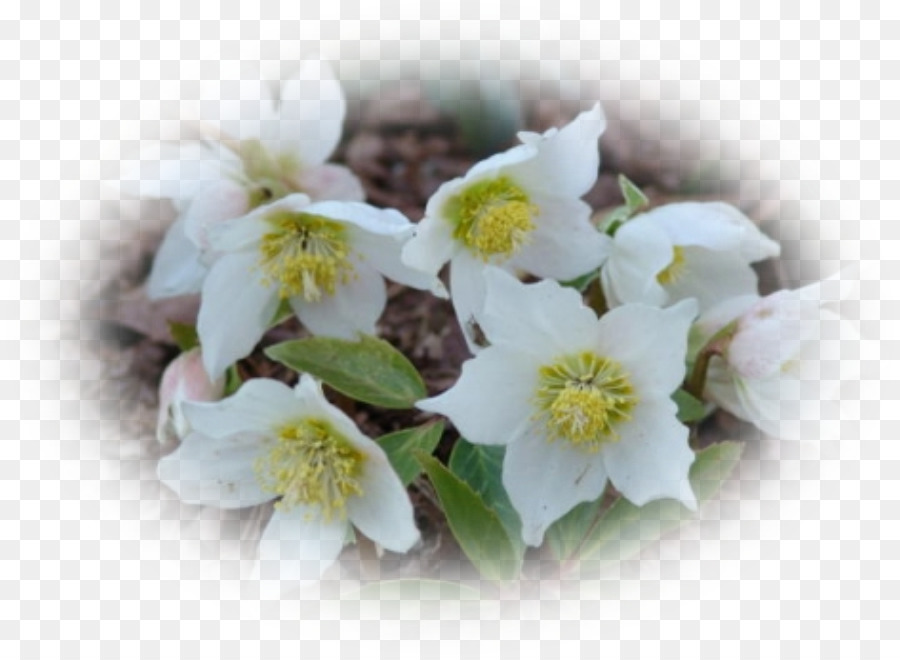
{"x":270,"y":442}
{"x":576,"y":400}
{"x":325,"y":258}
{"x":520,"y":210}
{"x":184,"y":379}
{"x":256,"y":149}
{"x":767,"y":356}
{"x":700,"y":250}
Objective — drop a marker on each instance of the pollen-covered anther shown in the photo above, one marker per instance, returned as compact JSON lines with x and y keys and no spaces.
{"x":492,"y":217}
{"x":582,"y":398}
{"x":674,"y":270}
{"x":306,"y":255}
{"x":310,"y":463}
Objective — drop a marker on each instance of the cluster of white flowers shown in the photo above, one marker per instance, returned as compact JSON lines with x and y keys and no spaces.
{"x":580,"y":395}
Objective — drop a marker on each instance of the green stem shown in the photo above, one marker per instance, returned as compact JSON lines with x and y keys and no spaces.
{"x":716,"y":345}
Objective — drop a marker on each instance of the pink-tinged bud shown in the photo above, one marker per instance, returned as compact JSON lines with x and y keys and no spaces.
{"x":772,"y":333}
{"x":184,"y":379}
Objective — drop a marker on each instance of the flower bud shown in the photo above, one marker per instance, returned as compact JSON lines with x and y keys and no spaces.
{"x":184,"y":379}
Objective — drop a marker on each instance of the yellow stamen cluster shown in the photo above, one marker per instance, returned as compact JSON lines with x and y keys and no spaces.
{"x":310,"y":463}
{"x":673,"y":271}
{"x":582,"y":397}
{"x":307,"y":255}
{"x":492,"y":217}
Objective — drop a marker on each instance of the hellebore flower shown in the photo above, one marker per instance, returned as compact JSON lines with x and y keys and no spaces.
{"x":184,"y":379}
{"x":520,"y":210}
{"x":256,"y":149}
{"x":766,"y":356}
{"x":700,"y":250}
{"x":325,"y":258}
{"x":576,"y":400}
{"x":271,"y":442}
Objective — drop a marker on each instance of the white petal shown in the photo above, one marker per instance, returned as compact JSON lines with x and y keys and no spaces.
{"x":235,"y":310}
{"x":364,"y":217}
{"x":298,"y":546}
{"x":649,"y":343}
{"x":330,"y":181}
{"x":353,"y":308}
{"x":384,"y":254}
{"x":651,"y":459}
{"x":568,"y":160}
{"x":714,"y":225}
{"x":468,"y":292}
{"x":216,"y":472}
{"x":492,"y":402}
{"x":431,"y":247}
{"x":564,"y":244}
{"x":640,"y":250}
{"x":543,"y":319}
{"x":311,"y":114}
{"x":260,"y":405}
{"x":213,"y":204}
{"x":239,"y":109}
{"x":545,"y":480}
{"x":711,"y":277}
{"x":499,"y":164}
{"x":383,"y":512}
{"x":177,"y":268}
{"x":239,"y":233}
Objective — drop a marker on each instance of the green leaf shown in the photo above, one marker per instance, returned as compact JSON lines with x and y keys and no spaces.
{"x":481,"y":467}
{"x":690,"y":408}
{"x":477,"y":528}
{"x":566,"y":535}
{"x":399,"y":447}
{"x":368,"y":370}
{"x":635,"y":199}
{"x":624,"y":529}
{"x":184,"y":335}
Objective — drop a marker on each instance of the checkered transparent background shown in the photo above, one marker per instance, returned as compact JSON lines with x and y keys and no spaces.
{"x":799,"y":558}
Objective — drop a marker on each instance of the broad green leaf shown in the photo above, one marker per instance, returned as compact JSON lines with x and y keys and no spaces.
{"x":413,"y":589}
{"x":399,"y":447}
{"x":368,"y":369}
{"x":184,"y":335}
{"x":635,"y":199}
{"x":625,"y":528}
{"x":481,"y":467}
{"x":477,"y":528}
{"x":690,"y":408}
{"x":567,"y":534}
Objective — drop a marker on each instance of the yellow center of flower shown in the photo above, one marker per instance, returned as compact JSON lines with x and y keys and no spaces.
{"x":673,"y":271}
{"x":267,"y":177}
{"x":307,"y":255}
{"x":582,"y":397}
{"x":492,"y":217}
{"x":310,"y":463}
